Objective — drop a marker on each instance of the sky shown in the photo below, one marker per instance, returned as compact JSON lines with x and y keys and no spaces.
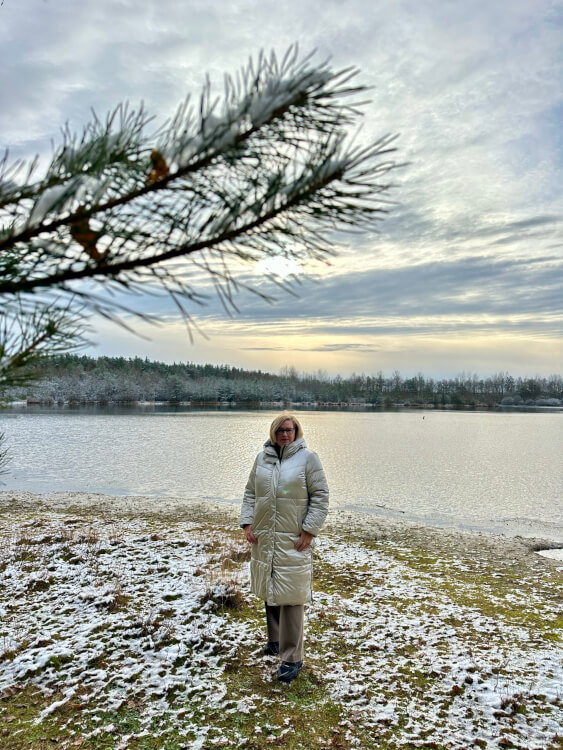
{"x":464,"y":275}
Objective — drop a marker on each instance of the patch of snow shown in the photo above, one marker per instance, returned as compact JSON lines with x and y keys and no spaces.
{"x":46,"y":202}
{"x":68,"y":694}
{"x":552,"y":554}
{"x":119,"y":615}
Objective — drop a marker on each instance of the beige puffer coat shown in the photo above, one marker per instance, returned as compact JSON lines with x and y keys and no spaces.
{"x":283,"y":496}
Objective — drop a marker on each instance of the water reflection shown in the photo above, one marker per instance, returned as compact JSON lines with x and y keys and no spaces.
{"x":495,"y":471}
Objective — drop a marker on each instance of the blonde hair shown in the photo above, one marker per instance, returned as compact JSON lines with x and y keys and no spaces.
{"x":279,"y":420}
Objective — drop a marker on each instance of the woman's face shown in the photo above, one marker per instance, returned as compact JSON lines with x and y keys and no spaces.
{"x":285,"y":434}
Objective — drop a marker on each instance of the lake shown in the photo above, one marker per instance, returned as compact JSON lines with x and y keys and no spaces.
{"x":495,"y":472}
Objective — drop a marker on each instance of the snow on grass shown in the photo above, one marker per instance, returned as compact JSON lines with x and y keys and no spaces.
{"x":140,"y":632}
{"x":418,"y":662}
{"x":116,"y":617}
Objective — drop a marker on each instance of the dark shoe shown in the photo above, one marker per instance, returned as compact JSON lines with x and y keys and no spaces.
{"x":272,"y":648}
{"x":289,"y":670}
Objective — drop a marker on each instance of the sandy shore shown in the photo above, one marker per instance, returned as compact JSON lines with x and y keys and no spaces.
{"x":345,"y":524}
{"x":128,"y":623}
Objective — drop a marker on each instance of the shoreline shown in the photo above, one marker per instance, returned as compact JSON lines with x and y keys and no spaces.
{"x":335,"y":406}
{"x":531,"y":529}
{"x":362,"y":525}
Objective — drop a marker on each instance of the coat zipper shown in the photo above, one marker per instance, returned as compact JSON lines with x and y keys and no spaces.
{"x":275,"y":510}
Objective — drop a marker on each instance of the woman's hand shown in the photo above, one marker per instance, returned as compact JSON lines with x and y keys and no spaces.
{"x":304,"y":541}
{"x":249,"y":534}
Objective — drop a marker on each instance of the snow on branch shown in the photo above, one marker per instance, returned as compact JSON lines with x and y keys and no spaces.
{"x":265,"y":169}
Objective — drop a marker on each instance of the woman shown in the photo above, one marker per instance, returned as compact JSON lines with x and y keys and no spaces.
{"x":284,"y":507}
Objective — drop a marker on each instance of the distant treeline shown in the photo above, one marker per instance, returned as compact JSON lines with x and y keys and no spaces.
{"x":83,"y":379}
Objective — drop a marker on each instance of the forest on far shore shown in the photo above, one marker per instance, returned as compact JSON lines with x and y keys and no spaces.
{"x":84,"y":379}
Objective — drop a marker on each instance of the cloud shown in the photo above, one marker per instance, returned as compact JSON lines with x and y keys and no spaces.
{"x":337,"y":347}
{"x":482,"y":293}
{"x":474,"y":89}
{"x":469,"y":286}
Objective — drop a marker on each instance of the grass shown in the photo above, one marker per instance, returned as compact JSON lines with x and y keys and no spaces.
{"x":487,"y":583}
{"x":255,"y":711}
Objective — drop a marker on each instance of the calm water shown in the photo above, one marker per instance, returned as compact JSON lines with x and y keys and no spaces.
{"x":496,"y":472}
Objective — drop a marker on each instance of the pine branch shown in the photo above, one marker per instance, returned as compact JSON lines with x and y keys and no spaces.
{"x":109,"y":269}
{"x":4,"y":455}
{"x":29,"y":333}
{"x":265,"y":170}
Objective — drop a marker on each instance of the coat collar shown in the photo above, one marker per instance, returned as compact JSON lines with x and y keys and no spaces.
{"x":289,"y":450}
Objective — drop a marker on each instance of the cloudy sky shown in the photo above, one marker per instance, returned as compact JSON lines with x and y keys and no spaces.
{"x":465,"y":274}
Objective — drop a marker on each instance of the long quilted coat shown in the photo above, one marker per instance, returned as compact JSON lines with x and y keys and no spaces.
{"x":284,"y":495}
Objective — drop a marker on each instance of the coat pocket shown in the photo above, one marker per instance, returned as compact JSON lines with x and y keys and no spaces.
{"x":286,"y":556}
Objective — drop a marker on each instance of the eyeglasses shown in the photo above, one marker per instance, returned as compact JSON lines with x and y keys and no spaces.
{"x":285,"y":431}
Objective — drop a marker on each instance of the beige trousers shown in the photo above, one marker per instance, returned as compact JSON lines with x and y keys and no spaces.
{"x":285,"y":624}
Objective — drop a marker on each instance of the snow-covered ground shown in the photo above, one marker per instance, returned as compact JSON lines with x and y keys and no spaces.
{"x":416,"y":637}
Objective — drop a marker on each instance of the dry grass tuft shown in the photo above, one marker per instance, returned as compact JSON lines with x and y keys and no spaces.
{"x":226,"y":595}
{"x":224,"y":574}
